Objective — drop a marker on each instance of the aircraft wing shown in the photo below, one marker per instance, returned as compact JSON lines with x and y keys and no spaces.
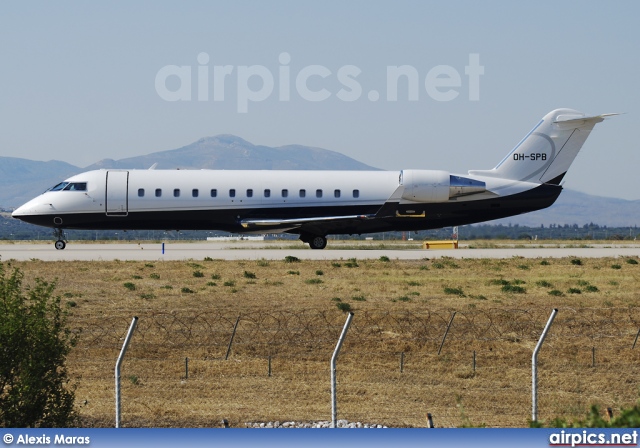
{"x":319,"y":223}
{"x":284,"y":225}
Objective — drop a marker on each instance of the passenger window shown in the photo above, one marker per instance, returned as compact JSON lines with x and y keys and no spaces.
{"x":336,"y":193}
{"x":303,"y":193}
{"x":232,"y":193}
{"x":140,"y":192}
{"x":249,"y":193}
{"x":214,"y":192}
{"x":176,"y":193}
{"x":267,"y":193}
{"x":285,"y":193}
{"x":318,"y":193}
{"x":158,"y":192}
{"x":356,"y":193}
{"x":195,"y":192}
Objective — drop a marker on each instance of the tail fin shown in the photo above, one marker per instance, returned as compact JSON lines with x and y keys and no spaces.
{"x":546,"y":152}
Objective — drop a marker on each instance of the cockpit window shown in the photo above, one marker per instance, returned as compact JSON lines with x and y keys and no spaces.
{"x":76,"y":186}
{"x":69,"y":186}
{"x":59,"y":187}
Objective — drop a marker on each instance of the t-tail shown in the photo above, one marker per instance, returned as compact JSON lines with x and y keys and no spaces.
{"x":546,"y":152}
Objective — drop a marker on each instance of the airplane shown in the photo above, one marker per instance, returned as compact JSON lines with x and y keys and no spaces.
{"x":314,"y":204}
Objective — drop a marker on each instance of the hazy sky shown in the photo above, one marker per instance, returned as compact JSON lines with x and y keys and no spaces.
{"x":83,"y":81}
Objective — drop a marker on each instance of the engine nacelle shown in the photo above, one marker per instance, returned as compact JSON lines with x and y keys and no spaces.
{"x":437,"y":186}
{"x":425,"y":185}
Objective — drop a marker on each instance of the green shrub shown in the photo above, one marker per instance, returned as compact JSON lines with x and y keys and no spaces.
{"x":215,"y":277}
{"x":198,"y":274}
{"x":291,"y":259}
{"x":313,"y":281}
{"x":186,"y":290}
{"x":154,"y":276}
{"x":576,"y":262}
{"x":359,"y":298}
{"x":384,"y":259}
{"x":130,"y":286}
{"x":454,"y":291}
{"x":544,"y":284}
{"x":513,"y":289}
{"x":229,"y":283}
{"x":248,"y":274}
{"x":343,"y":306}
{"x":555,"y":292}
{"x":632,"y":261}
{"x":574,"y":291}
{"x":616,"y":266}
{"x":319,"y":272}
{"x":35,"y":389}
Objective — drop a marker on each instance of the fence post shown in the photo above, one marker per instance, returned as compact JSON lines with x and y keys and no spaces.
{"x":593,"y":356}
{"x":119,"y":363}
{"x":446,"y":332}
{"x":430,"y":421}
{"x":186,"y":368}
{"x":402,"y":362}
{"x":233,"y":335}
{"x":269,"y":365}
{"x":636,"y":340}
{"x":534,"y":367}
{"x":334,"y":358}
{"x":474,"y":360}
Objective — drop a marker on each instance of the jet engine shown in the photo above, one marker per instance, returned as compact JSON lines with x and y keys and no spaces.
{"x":437,"y":186}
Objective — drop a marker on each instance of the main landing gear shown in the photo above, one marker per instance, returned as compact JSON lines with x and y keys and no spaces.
{"x":61,"y":238}
{"x":314,"y":241}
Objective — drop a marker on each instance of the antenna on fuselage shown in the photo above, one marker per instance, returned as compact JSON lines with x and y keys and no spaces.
{"x":153,"y":167}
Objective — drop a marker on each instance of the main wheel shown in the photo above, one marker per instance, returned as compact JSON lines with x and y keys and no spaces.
{"x":318,"y":242}
{"x":60,"y":245}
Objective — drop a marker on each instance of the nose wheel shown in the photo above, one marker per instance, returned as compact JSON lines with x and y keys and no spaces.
{"x":60,"y":243}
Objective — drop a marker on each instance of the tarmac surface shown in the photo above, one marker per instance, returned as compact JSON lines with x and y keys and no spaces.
{"x":278,"y":250}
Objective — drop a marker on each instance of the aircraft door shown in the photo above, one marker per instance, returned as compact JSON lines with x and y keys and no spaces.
{"x":116,"y":201}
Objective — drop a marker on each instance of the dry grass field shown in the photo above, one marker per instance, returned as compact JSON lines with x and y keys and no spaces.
{"x":290,"y":314}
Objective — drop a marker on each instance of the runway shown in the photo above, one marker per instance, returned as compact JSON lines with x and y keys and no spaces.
{"x":248,"y":250}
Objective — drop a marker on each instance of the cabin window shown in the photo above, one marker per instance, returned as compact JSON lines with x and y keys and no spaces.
{"x":158,"y":192}
{"x":267,"y":193}
{"x":232,"y":193}
{"x":303,"y":193}
{"x":356,"y":193}
{"x":195,"y":192}
{"x":250,"y":193}
{"x":285,"y":193}
{"x":176,"y":192}
{"x":336,"y":193}
{"x":214,"y":192}
{"x":140,"y":192}
{"x":318,"y":193}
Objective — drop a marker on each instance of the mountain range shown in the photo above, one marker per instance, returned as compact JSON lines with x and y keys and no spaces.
{"x":23,"y":179}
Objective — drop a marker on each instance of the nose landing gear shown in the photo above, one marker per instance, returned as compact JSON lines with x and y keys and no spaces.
{"x":61,"y":238}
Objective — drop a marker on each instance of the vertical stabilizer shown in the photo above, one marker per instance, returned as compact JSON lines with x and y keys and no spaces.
{"x":546,"y":152}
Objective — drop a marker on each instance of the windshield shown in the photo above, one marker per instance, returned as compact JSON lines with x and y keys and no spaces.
{"x":69,"y":186}
{"x":58,"y":187}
